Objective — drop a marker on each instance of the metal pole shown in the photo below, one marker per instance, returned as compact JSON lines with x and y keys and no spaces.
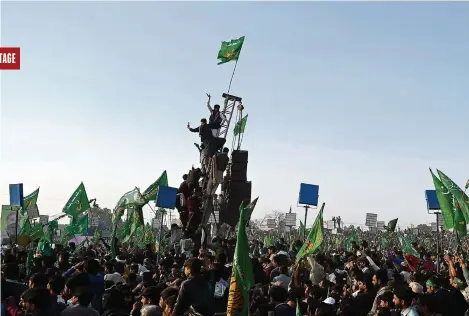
{"x":16,"y":226}
{"x":160,"y":235}
{"x":437,"y":244}
{"x":306,"y":216}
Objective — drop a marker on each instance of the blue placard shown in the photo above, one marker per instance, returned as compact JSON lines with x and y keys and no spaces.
{"x":16,"y":195}
{"x":309,"y":194}
{"x":166,"y":197}
{"x":432,"y":200}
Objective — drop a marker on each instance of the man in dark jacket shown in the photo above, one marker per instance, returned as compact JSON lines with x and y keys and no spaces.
{"x":195,"y":295}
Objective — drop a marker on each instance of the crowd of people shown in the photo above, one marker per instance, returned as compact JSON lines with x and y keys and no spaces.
{"x":363,"y":281}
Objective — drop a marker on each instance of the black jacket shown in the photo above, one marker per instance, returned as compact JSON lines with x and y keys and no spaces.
{"x":195,"y":294}
{"x":205,"y":132}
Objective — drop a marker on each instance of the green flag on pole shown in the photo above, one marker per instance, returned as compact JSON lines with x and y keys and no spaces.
{"x":445,"y":200}
{"x":240,"y":126}
{"x":461,"y":200}
{"x":78,"y":202}
{"x":151,"y":193}
{"x":391,"y":225}
{"x":30,"y":201}
{"x":315,"y":237}
{"x":242,"y":276}
{"x":230,"y":50}
{"x":78,"y":226}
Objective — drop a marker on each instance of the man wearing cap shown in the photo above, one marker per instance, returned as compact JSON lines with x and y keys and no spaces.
{"x":194,"y":295}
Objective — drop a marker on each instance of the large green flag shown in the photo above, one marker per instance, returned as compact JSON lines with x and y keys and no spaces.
{"x":445,"y":200}
{"x":240,"y":126}
{"x":315,"y":237}
{"x":230,"y":50}
{"x":407,"y":247}
{"x":30,"y":201}
{"x":242,"y":276}
{"x":151,"y":193}
{"x":78,"y":202}
{"x":391,"y":225}
{"x":460,"y":197}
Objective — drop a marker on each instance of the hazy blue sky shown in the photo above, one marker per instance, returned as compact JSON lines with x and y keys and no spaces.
{"x":360,"y":98}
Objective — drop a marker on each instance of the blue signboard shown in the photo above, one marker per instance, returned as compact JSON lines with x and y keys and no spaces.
{"x":432,"y":200}
{"x":166,"y":197}
{"x":309,"y":194}
{"x":16,"y":194}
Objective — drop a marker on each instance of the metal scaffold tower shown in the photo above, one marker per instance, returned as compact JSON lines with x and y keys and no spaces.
{"x":231,"y":103}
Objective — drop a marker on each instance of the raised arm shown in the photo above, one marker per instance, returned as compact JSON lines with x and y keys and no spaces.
{"x":208,"y":103}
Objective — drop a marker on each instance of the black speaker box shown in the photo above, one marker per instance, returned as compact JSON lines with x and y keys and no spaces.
{"x":240,"y":188}
{"x":239,"y":166}
{"x":239,"y":156}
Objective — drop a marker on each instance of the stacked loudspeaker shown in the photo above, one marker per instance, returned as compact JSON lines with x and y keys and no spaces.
{"x":238,"y":189}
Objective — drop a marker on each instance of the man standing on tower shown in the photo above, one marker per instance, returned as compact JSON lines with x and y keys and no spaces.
{"x":216,"y":117}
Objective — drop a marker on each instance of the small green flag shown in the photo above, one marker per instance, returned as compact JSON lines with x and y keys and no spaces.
{"x":302,"y":230}
{"x":151,"y":193}
{"x":392,"y":225}
{"x":240,"y":126}
{"x":44,"y":247}
{"x":242,"y":276}
{"x":267,"y":241}
{"x":78,"y":202}
{"x":407,"y":247}
{"x":230,"y":50}
{"x":350,"y":238}
{"x":37,"y":231}
{"x":78,"y":226}
{"x":136,"y":219}
{"x":30,"y":202}
{"x":315,"y":237}
{"x":97,"y":235}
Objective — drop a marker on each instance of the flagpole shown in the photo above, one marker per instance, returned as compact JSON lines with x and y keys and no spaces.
{"x":232,"y":75}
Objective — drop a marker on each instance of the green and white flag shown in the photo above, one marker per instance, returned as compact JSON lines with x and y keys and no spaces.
{"x":230,"y":50}
{"x":460,"y":198}
{"x":445,"y":200}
